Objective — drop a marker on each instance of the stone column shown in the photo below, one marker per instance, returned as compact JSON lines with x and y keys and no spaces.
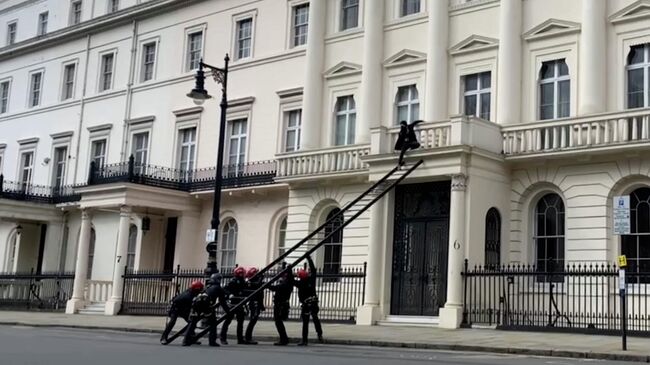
{"x":509,"y":67}
{"x":369,"y":112}
{"x":369,"y":313}
{"x":593,"y":55}
{"x":313,"y":91}
{"x":81,"y":269}
{"x":114,"y":303}
{"x":437,"y":59}
{"x":452,"y":314}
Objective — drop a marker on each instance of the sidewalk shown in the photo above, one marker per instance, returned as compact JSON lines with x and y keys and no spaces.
{"x":484,"y":340}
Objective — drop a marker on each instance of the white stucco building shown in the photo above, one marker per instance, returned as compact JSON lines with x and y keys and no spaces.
{"x":536,"y":116}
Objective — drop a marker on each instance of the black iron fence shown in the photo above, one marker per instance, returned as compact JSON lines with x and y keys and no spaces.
{"x":575,"y":298}
{"x":150,"y":292}
{"x":47,"y":291}
{"x":37,"y":193}
{"x":239,"y":175}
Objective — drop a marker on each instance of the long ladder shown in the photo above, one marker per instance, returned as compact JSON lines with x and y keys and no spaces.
{"x":320,"y":236}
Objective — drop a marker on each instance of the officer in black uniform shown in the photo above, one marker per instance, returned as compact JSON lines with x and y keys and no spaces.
{"x":406,"y":139}
{"x":236,"y":290}
{"x":308,"y":301}
{"x":181,"y":307}
{"x":255,"y":305}
{"x":204,"y":306}
{"x":282,"y":290}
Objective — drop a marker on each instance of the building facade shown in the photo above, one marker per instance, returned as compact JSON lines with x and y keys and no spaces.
{"x":536,"y":116}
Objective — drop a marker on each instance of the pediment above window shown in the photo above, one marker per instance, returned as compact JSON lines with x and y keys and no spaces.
{"x":552,"y":28}
{"x":405,"y":57}
{"x":474,"y":43}
{"x":343,"y":69}
{"x":638,"y":10}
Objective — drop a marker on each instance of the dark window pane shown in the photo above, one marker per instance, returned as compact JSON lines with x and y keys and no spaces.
{"x":636,"y":55}
{"x":563,"y":98}
{"x":471,"y":82}
{"x":470,"y":105}
{"x":563,"y":70}
{"x":547,"y":71}
{"x":635,"y":88}
{"x":485,"y":106}
{"x":486,"y":80}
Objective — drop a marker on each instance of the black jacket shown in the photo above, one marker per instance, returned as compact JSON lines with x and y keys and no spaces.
{"x":307,"y":287}
{"x":183,"y":301}
{"x":216,"y":293}
{"x":283,"y":288}
{"x":236,"y":288}
{"x":251,"y":286}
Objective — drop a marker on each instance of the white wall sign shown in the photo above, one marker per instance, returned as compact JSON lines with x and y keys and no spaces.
{"x":621,"y":206}
{"x":210,"y":235}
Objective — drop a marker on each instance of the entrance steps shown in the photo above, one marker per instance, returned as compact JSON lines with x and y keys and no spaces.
{"x":94,"y":308}
{"x":412,"y":321}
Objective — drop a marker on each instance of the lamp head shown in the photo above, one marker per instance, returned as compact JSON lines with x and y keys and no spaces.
{"x":199,"y":95}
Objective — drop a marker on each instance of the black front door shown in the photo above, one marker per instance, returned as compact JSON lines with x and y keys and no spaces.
{"x":170,"y":244}
{"x":419,"y":279}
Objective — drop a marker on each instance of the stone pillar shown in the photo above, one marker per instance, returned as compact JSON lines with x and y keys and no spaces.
{"x":370,"y":312}
{"x":509,"y":67}
{"x":114,"y":303}
{"x":593,"y":55}
{"x":369,"y":112}
{"x":81,"y":269}
{"x":313,"y":90}
{"x":452,"y":314}
{"x":437,"y":59}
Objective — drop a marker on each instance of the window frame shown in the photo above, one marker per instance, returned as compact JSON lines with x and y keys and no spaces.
{"x":135,"y":151}
{"x":332,"y":244}
{"x":493,"y":238}
{"x":132,"y":247}
{"x":347,"y":113}
{"x":94,"y":157}
{"x":155,"y":42}
{"x":235,"y":40}
{"x":281,"y":236}
{"x":293,"y":25}
{"x":41,"y":28}
{"x":635,"y":286}
{"x":226,"y":228}
{"x":286,"y":129}
{"x":64,"y":80}
{"x":112,"y":6}
{"x":400,"y":7}
{"x":645,"y":66}
{"x":2,"y":157}
{"x":21,"y":168}
{"x":30,"y":91}
{"x":55,"y":162}
{"x":72,"y":14}
{"x":102,"y":73}
{"x":478,"y":93}
{"x":555,"y":81}
{"x":4,"y":101}
{"x":561,"y":237}
{"x":91,"y":253}
{"x":342,"y":26}
{"x":238,"y":138}
{"x":179,"y":148}
{"x":189,"y":32}
{"x":409,"y":103}
{"x":12,"y":35}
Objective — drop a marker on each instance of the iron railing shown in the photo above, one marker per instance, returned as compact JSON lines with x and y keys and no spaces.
{"x":37,"y":193}
{"x":573,"y":298}
{"x":239,"y":175}
{"x":150,"y":292}
{"x":48,"y":291}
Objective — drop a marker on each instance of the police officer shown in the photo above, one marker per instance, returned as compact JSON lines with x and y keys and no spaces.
{"x":181,"y":307}
{"x":282,"y":290}
{"x":236,"y":290}
{"x":406,"y":139}
{"x":308,"y":301}
{"x":203,"y":306}
{"x":255,"y":305}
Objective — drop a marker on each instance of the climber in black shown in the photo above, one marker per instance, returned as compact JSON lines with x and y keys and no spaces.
{"x":255,"y":305}
{"x":236,"y":290}
{"x":308,"y":301}
{"x":204,"y":306}
{"x":406,"y":140}
{"x":282,"y":294}
{"x":181,"y":307}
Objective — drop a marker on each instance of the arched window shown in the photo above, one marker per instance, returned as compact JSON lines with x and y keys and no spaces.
{"x":554,"y":90}
{"x":638,"y":79}
{"x":11,"y":253}
{"x":407,"y":104}
{"x":493,"y":238}
{"x":636,"y":245}
{"x":228,"y":248}
{"x":91,"y":253}
{"x":130,"y":253}
{"x":282,"y":237}
{"x":549,"y":235}
{"x":333,"y":245}
{"x":346,"y":118}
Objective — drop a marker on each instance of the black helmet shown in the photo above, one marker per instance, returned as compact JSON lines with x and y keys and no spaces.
{"x":214,"y":279}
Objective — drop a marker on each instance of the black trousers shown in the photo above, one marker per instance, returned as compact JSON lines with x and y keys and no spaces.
{"x":280,"y":314}
{"x":310,"y":310}
{"x":254,"y":311}
{"x":240,"y":314}
{"x":211,"y":321}
{"x":171,"y":322}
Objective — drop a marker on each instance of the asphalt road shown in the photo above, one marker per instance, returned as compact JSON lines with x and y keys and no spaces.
{"x":53,"y":346}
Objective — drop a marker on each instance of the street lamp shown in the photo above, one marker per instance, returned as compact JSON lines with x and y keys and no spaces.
{"x":199,"y":95}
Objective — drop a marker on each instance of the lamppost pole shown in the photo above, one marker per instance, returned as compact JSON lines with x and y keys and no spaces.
{"x":199,"y":94}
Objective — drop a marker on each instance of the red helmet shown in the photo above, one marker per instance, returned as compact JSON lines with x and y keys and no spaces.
{"x":302,"y":274}
{"x":239,"y":272}
{"x":196,"y":285}
{"x":251,"y":272}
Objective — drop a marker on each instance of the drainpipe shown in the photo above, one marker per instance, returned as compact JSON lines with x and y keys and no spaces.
{"x":129,"y":94}
{"x":81,"y":110}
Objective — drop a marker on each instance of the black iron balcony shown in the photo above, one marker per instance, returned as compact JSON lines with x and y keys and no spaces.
{"x":37,"y":193}
{"x":240,"y":175}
